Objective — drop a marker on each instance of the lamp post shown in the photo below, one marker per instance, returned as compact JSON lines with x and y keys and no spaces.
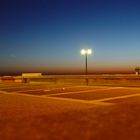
{"x":86,"y":52}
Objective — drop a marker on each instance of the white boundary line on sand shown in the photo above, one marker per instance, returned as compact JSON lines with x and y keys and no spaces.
{"x":13,"y":87}
{"x":43,"y":89}
{"x":114,"y":98}
{"x":95,"y":102}
{"x":30,"y":90}
{"x":74,"y":92}
{"x":37,"y":86}
{"x":80,"y":101}
{"x":56,"y":98}
{"x":23,"y":88}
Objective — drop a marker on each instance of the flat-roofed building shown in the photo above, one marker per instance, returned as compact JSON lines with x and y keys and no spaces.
{"x":31,"y":74}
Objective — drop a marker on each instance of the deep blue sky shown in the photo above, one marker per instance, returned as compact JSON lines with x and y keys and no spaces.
{"x":47,"y":35}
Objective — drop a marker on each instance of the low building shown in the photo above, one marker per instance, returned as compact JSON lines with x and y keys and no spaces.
{"x":31,"y":74}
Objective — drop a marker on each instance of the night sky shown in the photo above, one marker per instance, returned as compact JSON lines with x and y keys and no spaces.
{"x":47,"y":36}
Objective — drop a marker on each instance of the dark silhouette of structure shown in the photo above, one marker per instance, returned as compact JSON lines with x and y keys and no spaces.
{"x":137,"y":70}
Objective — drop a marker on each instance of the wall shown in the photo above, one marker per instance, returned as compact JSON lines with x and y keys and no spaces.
{"x":113,"y":80}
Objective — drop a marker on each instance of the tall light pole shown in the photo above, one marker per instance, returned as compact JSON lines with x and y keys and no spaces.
{"x":86,"y":52}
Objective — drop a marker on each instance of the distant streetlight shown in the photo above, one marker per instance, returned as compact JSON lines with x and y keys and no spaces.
{"x":86,"y":52}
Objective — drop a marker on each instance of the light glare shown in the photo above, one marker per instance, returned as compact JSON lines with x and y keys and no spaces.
{"x":86,"y":51}
{"x":83,"y":51}
{"x":89,"y":51}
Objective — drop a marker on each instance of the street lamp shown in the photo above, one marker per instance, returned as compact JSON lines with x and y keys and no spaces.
{"x":86,"y":52}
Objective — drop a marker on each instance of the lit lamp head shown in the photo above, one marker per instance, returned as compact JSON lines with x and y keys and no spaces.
{"x":86,"y":51}
{"x":83,"y":51}
{"x":89,"y":51}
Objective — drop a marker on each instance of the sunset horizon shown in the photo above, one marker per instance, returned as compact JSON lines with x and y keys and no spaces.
{"x":47,"y":36}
